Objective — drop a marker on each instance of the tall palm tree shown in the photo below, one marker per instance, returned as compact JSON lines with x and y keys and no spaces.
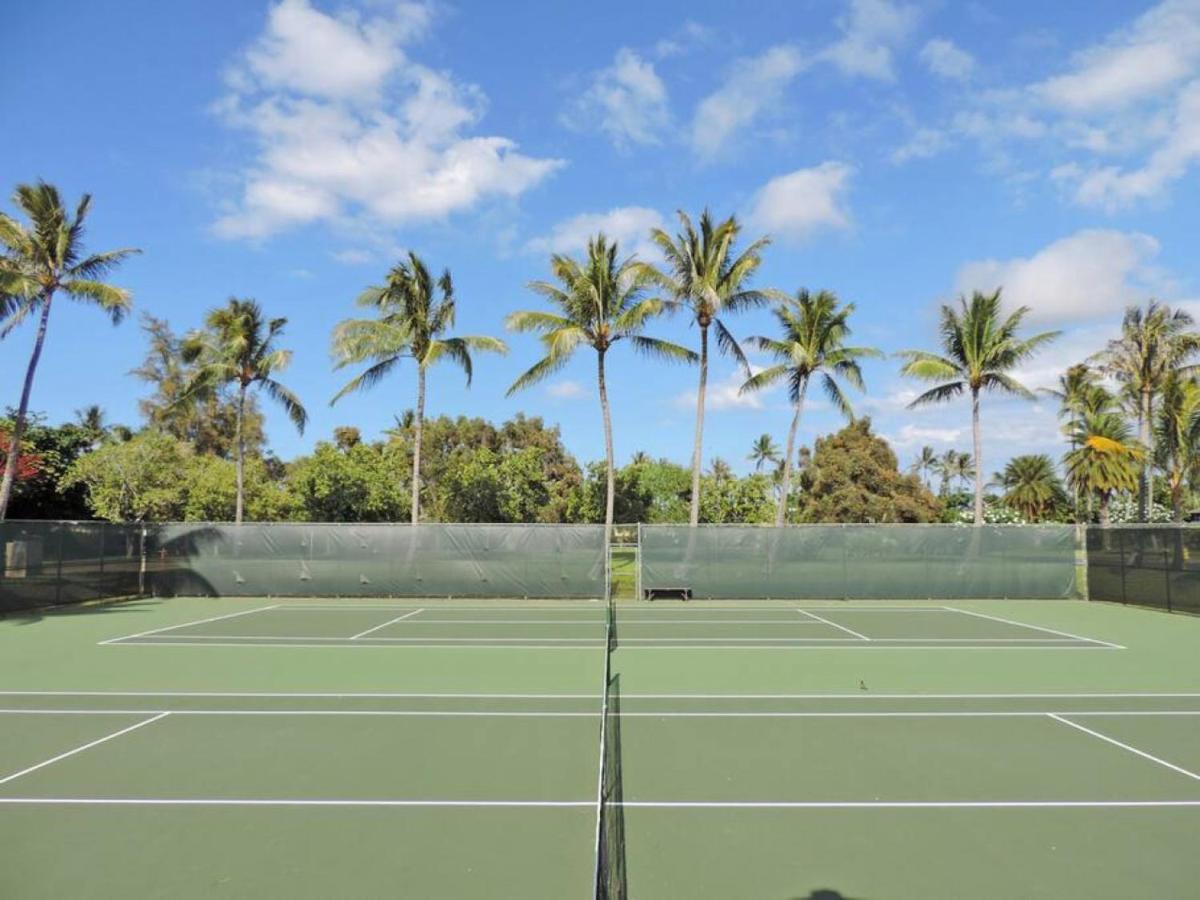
{"x":1177,"y":437}
{"x":763,"y":451}
{"x":37,"y":261}
{"x":598,"y":302}
{"x":1031,"y":486}
{"x":703,"y":274}
{"x":925,"y":464}
{"x":1155,"y":342}
{"x":813,"y":329}
{"x":980,"y":347}
{"x":237,"y":347}
{"x":1106,"y":458}
{"x":412,"y":316}
{"x":1077,"y":393}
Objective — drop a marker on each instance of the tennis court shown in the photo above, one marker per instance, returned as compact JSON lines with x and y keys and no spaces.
{"x":243,"y":747}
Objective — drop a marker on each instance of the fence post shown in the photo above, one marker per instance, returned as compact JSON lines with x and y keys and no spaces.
{"x":1121,"y":554}
{"x":1167,"y":575}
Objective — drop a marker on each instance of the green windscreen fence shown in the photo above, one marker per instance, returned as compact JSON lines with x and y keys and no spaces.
{"x":869,"y":562}
{"x":47,"y":563}
{"x":387,"y":560}
{"x":1145,"y":565}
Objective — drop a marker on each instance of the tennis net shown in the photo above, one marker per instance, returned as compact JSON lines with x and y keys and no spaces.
{"x":609,"y":881}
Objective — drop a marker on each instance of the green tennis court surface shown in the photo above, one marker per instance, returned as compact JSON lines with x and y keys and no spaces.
{"x":247,"y":748}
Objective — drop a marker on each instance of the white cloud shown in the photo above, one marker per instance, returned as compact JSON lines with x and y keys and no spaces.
{"x":1088,"y":275}
{"x":946,"y":59}
{"x":1159,"y":50}
{"x":352,"y":257}
{"x":347,"y":126}
{"x":916,"y":435}
{"x":1113,"y":188}
{"x":687,"y":37}
{"x":924,"y":144}
{"x":628,"y":99}
{"x":797,"y":204}
{"x":754,"y":85}
{"x":628,"y":225}
{"x":725,"y":394}
{"x":566,"y":390}
{"x":870,"y":30}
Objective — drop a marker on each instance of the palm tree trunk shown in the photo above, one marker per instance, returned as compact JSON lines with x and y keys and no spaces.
{"x":1105,"y":516}
{"x":786,"y":490}
{"x":698,"y":448}
{"x":14,"y":444}
{"x":241,"y":455}
{"x":418,"y":426}
{"x":1145,"y":434}
{"x":978,"y":439}
{"x":608,"y":448}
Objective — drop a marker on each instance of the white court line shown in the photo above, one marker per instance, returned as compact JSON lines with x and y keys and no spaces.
{"x":979,"y":615}
{"x":641,"y":714}
{"x":805,"y":612}
{"x":859,"y":695}
{"x":83,"y":747}
{"x":628,"y":804}
{"x":244,"y":612}
{"x":387,"y":623}
{"x":1058,"y":717}
{"x":702,"y":641}
{"x":186,"y":641}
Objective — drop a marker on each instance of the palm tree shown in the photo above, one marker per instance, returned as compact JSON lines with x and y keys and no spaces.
{"x":1077,"y":393}
{"x":599,"y":302}
{"x":813,"y":330}
{"x":412,"y":315}
{"x":91,"y":422}
{"x":1105,"y":458}
{"x":720,"y":470}
{"x":36,"y":262}
{"x":979,"y":350}
{"x":957,"y":467}
{"x":1177,"y":437}
{"x":1154,"y":343}
{"x":237,"y":347}
{"x":640,"y":458}
{"x":925,"y":464}
{"x":763,"y":451}
{"x":1031,"y":486}
{"x":703,"y":274}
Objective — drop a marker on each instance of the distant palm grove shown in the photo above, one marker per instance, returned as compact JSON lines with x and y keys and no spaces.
{"x":1130,"y":414}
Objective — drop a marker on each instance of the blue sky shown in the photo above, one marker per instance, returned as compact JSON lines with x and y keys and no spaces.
{"x":897,"y":152}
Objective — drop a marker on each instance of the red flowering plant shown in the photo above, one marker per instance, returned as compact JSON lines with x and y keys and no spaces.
{"x":28,"y":464}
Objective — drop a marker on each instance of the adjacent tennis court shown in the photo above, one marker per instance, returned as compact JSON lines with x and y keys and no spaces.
{"x":196,"y":747}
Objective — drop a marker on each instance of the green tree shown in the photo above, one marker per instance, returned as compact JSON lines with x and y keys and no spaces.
{"x":813,"y":331}
{"x":1031,"y":486}
{"x":135,"y":481}
{"x":36,"y":263}
{"x":362,"y":483}
{"x":211,"y":485}
{"x":855,"y":477}
{"x":207,"y":417}
{"x":1106,"y":459}
{"x":1177,"y":437}
{"x":720,"y":471}
{"x":237,"y":347}
{"x":925,"y":464}
{"x":980,"y":348}
{"x":39,"y":494}
{"x":412,"y":315}
{"x":598,"y":303}
{"x":485,"y":486}
{"x":763,"y":451}
{"x":1155,"y":343}
{"x":737,"y":500}
{"x":703,"y":275}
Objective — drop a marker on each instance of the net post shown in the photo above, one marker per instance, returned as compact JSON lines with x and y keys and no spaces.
{"x":637,"y":572}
